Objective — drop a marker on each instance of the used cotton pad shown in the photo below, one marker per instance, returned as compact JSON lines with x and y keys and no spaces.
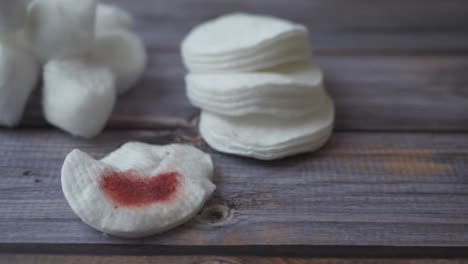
{"x":19,"y":73}
{"x":138,"y":190}
{"x":78,"y":96}
{"x":61,"y":29}
{"x":267,"y":137}
{"x":287,"y":91}
{"x":12,"y":16}
{"x":124,"y":53}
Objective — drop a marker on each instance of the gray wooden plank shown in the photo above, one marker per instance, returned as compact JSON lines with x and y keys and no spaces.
{"x":371,"y":92}
{"x":362,"y":189}
{"x":72,"y":259}
{"x":361,"y":25}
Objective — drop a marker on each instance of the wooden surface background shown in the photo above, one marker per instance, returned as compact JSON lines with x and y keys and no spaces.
{"x":54,"y":259}
{"x":392,"y":181}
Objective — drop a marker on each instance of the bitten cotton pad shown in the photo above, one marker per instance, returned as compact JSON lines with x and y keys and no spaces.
{"x":138,"y":190}
{"x":287,"y":91}
{"x":267,"y":137}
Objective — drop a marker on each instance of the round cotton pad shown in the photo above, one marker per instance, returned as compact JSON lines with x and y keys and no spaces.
{"x":244,"y":42}
{"x":288,"y":91}
{"x":267,"y":137}
{"x":138,"y":190}
{"x":237,"y":32}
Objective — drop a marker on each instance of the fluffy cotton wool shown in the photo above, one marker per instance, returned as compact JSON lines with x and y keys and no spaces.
{"x":60,"y":29}
{"x":112,"y":17}
{"x":138,"y":190}
{"x":12,"y":16}
{"x":78,"y":96}
{"x":124,"y":53}
{"x":19,"y":73}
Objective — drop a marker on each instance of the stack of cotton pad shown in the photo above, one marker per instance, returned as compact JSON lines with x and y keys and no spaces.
{"x":89,"y":55}
{"x":260,"y":95}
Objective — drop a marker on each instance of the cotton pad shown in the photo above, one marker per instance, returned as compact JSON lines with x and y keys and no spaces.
{"x":259,"y":62}
{"x":78,"y":96}
{"x":287,"y":91}
{"x":112,"y":17}
{"x":293,"y":49}
{"x":12,"y":16}
{"x":267,"y":137}
{"x":237,"y":32}
{"x":244,"y":42}
{"x":61,"y":29}
{"x":19,"y":73}
{"x":138,"y":190}
{"x":124,"y":53}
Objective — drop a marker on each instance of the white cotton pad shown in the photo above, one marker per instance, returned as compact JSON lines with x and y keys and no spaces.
{"x":78,"y":96}
{"x":280,"y":45}
{"x":19,"y":73}
{"x":12,"y":16}
{"x":112,"y":17}
{"x":267,"y":137}
{"x":61,"y":29}
{"x":289,"y":50}
{"x":237,"y":32}
{"x":287,"y":91}
{"x":259,"y":62}
{"x":138,"y":190}
{"x":124,"y":53}
{"x":243,"y":42}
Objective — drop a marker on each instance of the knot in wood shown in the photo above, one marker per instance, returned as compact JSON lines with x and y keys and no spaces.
{"x":215,"y":214}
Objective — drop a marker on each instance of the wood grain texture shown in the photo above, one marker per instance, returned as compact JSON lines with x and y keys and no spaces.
{"x":371,"y":92}
{"x":362,"y":189}
{"x":358,"y":25}
{"x":73,"y":259}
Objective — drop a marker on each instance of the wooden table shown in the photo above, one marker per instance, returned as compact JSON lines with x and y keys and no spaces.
{"x":393,"y":181}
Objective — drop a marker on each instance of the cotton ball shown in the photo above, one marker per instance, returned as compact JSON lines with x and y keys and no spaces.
{"x":61,"y":29}
{"x":112,"y":17}
{"x":78,"y":96}
{"x":12,"y":16}
{"x":19,"y":72}
{"x":124,"y":53}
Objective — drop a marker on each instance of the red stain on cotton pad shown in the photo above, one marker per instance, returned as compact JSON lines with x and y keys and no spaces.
{"x":128,"y":189}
